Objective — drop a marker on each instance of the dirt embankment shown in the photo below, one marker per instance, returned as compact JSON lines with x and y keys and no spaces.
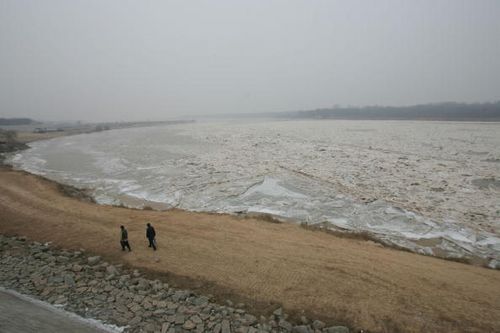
{"x":263,"y":264}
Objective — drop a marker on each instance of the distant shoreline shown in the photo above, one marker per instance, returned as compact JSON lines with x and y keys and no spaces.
{"x":451,"y":111}
{"x":36,"y":134}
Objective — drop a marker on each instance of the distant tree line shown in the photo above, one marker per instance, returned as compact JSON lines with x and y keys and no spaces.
{"x":16,"y":121}
{"x":440,"y":111}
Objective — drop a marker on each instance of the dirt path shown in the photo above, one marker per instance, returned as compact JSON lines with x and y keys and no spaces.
{"x":264,"y":263}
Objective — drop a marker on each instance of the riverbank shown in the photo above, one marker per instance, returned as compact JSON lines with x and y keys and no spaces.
{"x":123,"y":299}
{"x":264,"y":265}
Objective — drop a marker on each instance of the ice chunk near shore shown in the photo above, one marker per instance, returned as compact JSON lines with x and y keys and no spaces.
{"x":272,"y":187}
{"x":490,"y":241}
{"x":264,"y":210}
{"x":341,"y":223}
{"x":495,"y":264}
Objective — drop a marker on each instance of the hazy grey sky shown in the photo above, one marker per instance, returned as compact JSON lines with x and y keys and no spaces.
{"x":129,"y":60}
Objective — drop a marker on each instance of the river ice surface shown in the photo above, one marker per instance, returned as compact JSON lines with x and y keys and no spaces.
{"x":432,"y":187}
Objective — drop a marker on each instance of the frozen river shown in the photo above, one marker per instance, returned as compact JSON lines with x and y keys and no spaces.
{"x":432,"y":187}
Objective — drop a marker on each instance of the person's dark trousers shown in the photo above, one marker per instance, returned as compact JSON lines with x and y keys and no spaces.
{"x":125,"y":244}
{"x":152,"y":243}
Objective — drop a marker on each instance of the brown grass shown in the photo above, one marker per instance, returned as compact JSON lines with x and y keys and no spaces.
{"x":264,"y":264}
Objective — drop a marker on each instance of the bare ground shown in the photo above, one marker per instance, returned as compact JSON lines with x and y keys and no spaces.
{"x":264,"y":264}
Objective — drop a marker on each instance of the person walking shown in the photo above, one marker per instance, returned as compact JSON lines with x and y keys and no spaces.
{"x":150,"y":235}
{"x":124,"y":239}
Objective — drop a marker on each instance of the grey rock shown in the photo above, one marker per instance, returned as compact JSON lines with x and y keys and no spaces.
{"x":157,"y":287}
{"x":300,"y":329}
{"x":39,"y":255}
{"x":55,"y":280}
{"x":337,"y":329}
{"x":225,"y":326}
{"x":196,"y":319}
{"x":285,"y":325}
{"x":69,"y":280}
{"x":93,"y":283}
{"x":180,"y":295}
{"x":39,"y":282}
{"x":142,"y":285}
{"x":179,"y":319}
{"x":111,"y":270}
{"x":62,"y":259}
{"x":170,"y":312}
{"x":200,"y":328}
{"x":93,"y":260}
{"x":250,"y":319}
{"x":134,"y":321}
{"x":161,"y":304}
{"x":164,"y":327}
{"x":242,"y":329}
{"x":61,"y":300}
{"x":200,"y":301}
{"x":265,"y":328}
{"x":77,"y":268}
{"x":136,"y":308}
{"x":149,"y":327}
{"x":159,"y":312}
{"x":189,"y":325}
{"x":120,"y":320}
{"x":318,"y":324}
{"x":138,"y":298}
{"x":147,"y":305}
{"x":278,"y":312}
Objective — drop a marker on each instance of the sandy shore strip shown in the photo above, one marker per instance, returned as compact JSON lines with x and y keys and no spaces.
{"x":264,"y":264}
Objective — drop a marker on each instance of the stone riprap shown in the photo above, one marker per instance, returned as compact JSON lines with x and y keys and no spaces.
{"x":93,"y":288}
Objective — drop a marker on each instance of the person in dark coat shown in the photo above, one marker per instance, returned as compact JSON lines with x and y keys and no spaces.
{"x":124,"y":239}
{"x":150,"y":235}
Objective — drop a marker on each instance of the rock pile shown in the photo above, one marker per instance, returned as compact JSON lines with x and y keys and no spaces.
{"x":90,"y":287}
